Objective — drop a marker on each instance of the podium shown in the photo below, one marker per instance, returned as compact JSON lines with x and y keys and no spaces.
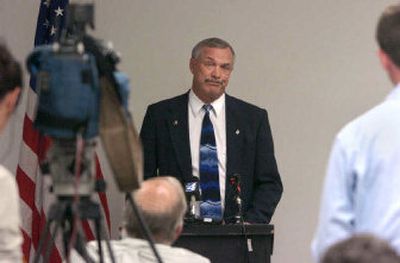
{"x":229,"y":243}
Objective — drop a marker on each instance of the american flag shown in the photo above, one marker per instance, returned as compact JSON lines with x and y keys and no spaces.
{"x":33,"y":187}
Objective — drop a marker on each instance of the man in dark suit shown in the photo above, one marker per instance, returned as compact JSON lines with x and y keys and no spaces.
{"x":172,"y":129}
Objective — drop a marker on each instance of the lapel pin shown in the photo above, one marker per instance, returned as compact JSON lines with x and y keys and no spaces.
{"x":175,"y":122}
{"x":237,"y":132}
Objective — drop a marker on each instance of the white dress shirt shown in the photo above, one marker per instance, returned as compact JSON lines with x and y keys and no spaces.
{"x":362,"y":186}
{"x":10,"y":234}
{"x":133,"y":250}
{"x":217,"y":117}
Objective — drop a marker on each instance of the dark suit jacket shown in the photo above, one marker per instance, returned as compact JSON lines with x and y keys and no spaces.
{"x":250,"y":153}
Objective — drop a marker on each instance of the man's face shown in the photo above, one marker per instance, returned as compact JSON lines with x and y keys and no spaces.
{"x":211,"y":72}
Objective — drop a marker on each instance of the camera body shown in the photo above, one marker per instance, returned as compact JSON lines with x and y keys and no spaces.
{"x":67,"y":84}
{"x":82,"y":95}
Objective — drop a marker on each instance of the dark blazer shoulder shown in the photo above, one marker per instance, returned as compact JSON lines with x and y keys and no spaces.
{"x":242,"y":107}
{"x":170,"y":102}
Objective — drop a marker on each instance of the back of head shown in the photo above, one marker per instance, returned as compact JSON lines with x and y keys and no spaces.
{"x":10,"y":72}
{"x":362,"y":248}
{"x":388,"y":33}
{"x":162,"y":203}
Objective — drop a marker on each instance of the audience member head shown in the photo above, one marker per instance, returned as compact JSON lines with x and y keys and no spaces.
{"x":362,"y":248}
{"x":388,"y":32}
{"x":388,"y":38}
{"x":10,"y":84}
{"x":162,"y":203}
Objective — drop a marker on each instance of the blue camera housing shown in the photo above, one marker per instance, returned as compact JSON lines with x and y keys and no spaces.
{"x":67,"y":84}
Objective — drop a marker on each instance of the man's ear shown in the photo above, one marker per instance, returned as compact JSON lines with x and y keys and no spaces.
{"x":178,"y":231}
{"x":11,"y":99}
{"x":192,"y":63}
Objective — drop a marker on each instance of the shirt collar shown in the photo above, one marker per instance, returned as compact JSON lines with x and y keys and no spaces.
{"x":395,"y":93}
{"x":195,"y":104}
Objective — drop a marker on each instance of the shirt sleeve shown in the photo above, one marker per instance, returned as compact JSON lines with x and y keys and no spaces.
{"x":10,"y":234}
{"x":336,"y":218}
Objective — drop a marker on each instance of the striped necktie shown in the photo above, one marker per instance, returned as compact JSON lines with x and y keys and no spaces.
{"x":210,"y":207}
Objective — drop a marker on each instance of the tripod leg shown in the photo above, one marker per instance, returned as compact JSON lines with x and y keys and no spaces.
{"x":76,"y":237}
{"x":144,"y":227}
{"x":98,"y":237}
{"x":100,"y":231}
{"x":41,"y":241}
{"x":51,"y":241}
{"x":80,"y":246}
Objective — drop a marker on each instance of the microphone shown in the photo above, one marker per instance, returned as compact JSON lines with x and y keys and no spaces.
{"x":235,"y":183}
{"x":192,"y":193}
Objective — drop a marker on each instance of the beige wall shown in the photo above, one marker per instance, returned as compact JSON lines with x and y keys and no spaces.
{"x":311,"y":63}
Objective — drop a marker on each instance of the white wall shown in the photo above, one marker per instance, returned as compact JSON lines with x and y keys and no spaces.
{"x":311,"y":63}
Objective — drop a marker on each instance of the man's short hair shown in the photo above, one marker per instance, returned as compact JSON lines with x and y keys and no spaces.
{"x":361,"y":248}
{"x":162,"y":215}
{"x":10,"y":71}
{"x":388,"y":32}
{"x":213,"y":42}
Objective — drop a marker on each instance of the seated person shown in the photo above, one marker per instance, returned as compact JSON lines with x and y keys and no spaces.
{"x":10,"y":89}
{"x":162,"y":203}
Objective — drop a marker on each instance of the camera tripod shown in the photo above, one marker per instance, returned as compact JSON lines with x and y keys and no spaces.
{"x":66,"y":213}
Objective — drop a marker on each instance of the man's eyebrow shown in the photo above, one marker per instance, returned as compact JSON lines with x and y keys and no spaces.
{"x":210,"y":58}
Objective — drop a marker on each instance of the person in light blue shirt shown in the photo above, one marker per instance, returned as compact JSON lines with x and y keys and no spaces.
{"x":362,"y":188}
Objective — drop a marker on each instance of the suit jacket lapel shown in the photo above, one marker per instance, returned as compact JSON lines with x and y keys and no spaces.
{"x":178,"y":125}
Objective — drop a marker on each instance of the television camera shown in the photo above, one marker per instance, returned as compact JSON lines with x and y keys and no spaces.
{"x":82,"y":95}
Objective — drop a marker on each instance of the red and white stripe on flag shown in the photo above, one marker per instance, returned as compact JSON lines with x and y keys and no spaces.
{"x":35,"y":198}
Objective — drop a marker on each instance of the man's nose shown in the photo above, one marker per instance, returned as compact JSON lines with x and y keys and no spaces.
{"x":216,"y":72}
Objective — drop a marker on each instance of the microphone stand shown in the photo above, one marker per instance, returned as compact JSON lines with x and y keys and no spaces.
{"x":192,"y":194}
{"x":239,"y":214}
{"x":235,"y":182}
